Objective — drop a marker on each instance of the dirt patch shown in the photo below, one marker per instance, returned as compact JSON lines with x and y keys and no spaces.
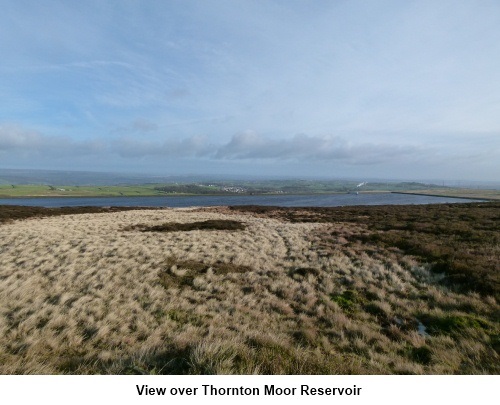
{"x":178,"y":273}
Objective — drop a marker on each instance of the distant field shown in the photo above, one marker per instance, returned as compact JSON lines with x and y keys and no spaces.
{"x":76,"y":191}
{"x":217,"y":188}
{"x":243,"y":290}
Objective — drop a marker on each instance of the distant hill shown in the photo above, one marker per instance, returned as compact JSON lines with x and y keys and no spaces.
{"x":268,"y":183}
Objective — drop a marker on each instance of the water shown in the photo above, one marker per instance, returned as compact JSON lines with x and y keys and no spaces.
{"x":328,"y":200}
{"x":421,"y":329}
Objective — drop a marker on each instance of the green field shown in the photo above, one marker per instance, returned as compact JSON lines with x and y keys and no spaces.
{"x":7,"y":191}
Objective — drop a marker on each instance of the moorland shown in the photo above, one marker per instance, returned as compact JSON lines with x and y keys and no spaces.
{"x":248,"y":289}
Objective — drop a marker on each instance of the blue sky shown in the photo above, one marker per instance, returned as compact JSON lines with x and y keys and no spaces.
{"x":385,"y":89}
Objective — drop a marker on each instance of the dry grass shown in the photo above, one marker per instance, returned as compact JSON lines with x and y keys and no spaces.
{"x":91,"y":293}
{"x":460,"y":240}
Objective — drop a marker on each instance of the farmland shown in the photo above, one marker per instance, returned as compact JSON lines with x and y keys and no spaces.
{"x":205,"y":188}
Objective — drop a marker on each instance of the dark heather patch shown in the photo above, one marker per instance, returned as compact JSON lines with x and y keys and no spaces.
{"x":209,"y":225}
{"x":10,"y":213}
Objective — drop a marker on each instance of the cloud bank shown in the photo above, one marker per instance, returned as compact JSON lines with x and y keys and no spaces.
{"x":247,"y":145}
{"x":16,"y":140}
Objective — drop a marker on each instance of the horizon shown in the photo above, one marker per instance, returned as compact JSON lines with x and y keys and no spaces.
{"x":77,"y":177}
{"x":402,"y":91}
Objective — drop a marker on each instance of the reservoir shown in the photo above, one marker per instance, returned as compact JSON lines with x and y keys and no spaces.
{"x":313,"y":200}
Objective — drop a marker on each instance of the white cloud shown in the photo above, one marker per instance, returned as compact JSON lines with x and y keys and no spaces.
{"x":25,"y":142}
{"x":249,"y":145}
{"x":13,"y":137}
{"x":248,"y":152}
{"x":243,"y":146}
{"x":195,"y":146}
{"x":137,"y":126}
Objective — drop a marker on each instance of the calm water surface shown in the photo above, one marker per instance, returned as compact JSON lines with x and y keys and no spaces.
{"x":330,"y":200}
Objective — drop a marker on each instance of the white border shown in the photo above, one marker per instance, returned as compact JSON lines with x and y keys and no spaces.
{"x":122,"y":390}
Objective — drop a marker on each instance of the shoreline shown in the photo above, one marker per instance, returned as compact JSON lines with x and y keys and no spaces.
{"x":478,"y":199}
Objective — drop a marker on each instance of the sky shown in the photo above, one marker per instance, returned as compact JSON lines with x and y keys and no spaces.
{"x":367,"y":89}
